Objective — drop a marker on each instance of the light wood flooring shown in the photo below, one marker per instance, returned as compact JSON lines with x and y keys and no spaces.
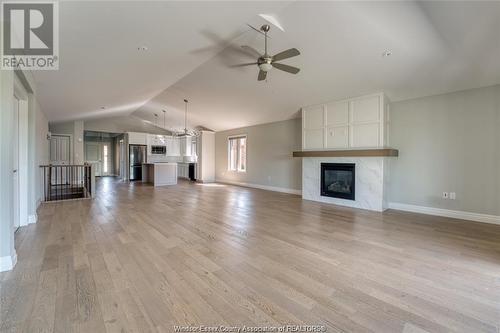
{"x":143,"y":259}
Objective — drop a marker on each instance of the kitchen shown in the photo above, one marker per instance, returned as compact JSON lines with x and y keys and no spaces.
{"x":162,"y":159}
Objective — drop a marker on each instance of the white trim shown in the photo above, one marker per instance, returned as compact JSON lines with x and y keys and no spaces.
{"x":32,"y":218}
{"x":261,"y":187}
{"x":7,"y":263}
{"x":23,"y":158}
{"x":457,"y":214}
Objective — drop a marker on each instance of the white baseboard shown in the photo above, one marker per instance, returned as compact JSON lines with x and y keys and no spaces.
{"x":457,"y":214}
{"x":7,"y":263}
{"x":261,"y":187}
{"x":32,"y":218}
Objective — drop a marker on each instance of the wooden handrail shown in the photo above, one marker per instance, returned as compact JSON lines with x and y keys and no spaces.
{"x":64,"y":165}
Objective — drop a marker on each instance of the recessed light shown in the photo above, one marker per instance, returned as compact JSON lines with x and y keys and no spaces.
{"x":142,"y":48}
{"x":386,"y":53}
{"x":103,"y":107}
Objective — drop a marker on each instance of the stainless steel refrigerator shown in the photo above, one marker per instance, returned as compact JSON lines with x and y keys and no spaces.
{"x":137,"y":156}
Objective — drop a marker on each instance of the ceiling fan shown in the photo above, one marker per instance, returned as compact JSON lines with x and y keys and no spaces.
{"x":266,"y":62}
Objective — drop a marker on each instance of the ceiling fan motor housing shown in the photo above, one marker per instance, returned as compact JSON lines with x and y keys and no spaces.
{"x":265,"y":63}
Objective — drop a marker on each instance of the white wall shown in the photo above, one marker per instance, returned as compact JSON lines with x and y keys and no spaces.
{"x":206,"y":157}
{"x":269,"y":155}
{"x":450,"y":143}
{"x":37,"y":153}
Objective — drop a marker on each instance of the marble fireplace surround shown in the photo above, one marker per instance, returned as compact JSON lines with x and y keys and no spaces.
{"x":371,"y":181}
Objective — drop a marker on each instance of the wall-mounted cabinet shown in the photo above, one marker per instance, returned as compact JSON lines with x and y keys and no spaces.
{"x":135,"y":138}
{"x":352,"y":123}
{"x":173,"y":146}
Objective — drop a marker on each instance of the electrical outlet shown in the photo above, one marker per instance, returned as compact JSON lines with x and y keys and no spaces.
{"x":453,"y":195}
{"x":445,"y":195}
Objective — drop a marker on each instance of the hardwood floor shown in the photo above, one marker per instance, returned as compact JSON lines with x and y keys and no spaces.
{"x":144,"y":259}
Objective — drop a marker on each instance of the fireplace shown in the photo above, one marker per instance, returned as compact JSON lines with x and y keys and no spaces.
{"x":338,"y":180}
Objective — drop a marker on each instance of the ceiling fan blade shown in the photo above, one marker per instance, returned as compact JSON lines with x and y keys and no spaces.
{"x":251,"y":50}
{"x":262,"y":75}
{"x":243,"y":65}
{"x":286,"y":68}
{"x":286,"y":54}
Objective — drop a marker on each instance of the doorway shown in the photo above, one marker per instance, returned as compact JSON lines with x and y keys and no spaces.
{"x":20,"y":156}
{"x":15,"y":167}
{"x":107,"y":161}
{"x":93,"y":156}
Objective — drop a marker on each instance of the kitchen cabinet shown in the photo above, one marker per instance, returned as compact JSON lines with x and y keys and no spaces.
{"x":183,"y":170}
{"x":173,"y":146}
{"x":135,"y":138}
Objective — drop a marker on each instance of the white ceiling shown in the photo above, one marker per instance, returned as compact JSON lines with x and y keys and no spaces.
{"x":100,"y":64}
{"x":436,"y":47}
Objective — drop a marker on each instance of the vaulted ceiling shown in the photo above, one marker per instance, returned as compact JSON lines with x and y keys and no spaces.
{"x":436,"y":47}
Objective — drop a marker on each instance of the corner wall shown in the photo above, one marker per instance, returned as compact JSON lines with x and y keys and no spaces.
{"x":269,"y":156}
{"x":447,"y":143}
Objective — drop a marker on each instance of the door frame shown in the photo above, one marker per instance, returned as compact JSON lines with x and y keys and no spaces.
{"x":21,"y":95}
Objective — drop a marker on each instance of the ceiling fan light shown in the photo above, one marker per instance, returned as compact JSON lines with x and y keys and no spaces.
{"x":266,"y":67}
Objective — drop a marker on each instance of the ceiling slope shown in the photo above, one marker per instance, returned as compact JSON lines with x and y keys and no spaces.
{"x":436,"y":46}
{"x":102,"y":73}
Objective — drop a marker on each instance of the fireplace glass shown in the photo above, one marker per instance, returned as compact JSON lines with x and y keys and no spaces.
{"x":338,"y":180}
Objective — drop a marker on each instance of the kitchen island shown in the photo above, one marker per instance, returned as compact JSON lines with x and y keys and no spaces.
{"x":160,"y":174}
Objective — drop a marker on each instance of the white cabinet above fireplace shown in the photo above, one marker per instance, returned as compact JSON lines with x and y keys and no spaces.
{"x":359,"y":122}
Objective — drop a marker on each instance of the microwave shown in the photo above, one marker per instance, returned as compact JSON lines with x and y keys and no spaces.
{"x":158,"y":150}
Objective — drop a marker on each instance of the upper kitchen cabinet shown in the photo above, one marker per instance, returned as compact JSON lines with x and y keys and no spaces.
{"x":135,"y":138}
{"x":352,"y":123}
{"x":173,"y":146}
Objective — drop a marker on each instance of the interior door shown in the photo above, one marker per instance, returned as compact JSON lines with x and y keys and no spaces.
{"x":60,"y":154}
{"x":15,"y":166}
{"x":93,"y":156}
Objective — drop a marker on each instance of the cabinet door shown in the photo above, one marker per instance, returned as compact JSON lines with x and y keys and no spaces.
{"x":365,"y":135}
{"x":313,"y":139}
{"x":366,"y":110}
{"x":313,"y":117}
{"x":337,"y":113}
{"x":337,"y":137}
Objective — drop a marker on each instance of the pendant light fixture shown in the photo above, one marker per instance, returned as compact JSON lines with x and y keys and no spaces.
{"x":187,"y":132}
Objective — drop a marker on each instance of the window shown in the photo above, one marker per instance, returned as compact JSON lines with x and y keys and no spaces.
{"x":237,"y":153}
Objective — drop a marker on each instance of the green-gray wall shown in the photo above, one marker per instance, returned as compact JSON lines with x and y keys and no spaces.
{"x":269,"y":155}
{"x":449,"y":143}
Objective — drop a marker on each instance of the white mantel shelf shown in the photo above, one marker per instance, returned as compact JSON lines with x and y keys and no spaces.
{"x":383,"y":152}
